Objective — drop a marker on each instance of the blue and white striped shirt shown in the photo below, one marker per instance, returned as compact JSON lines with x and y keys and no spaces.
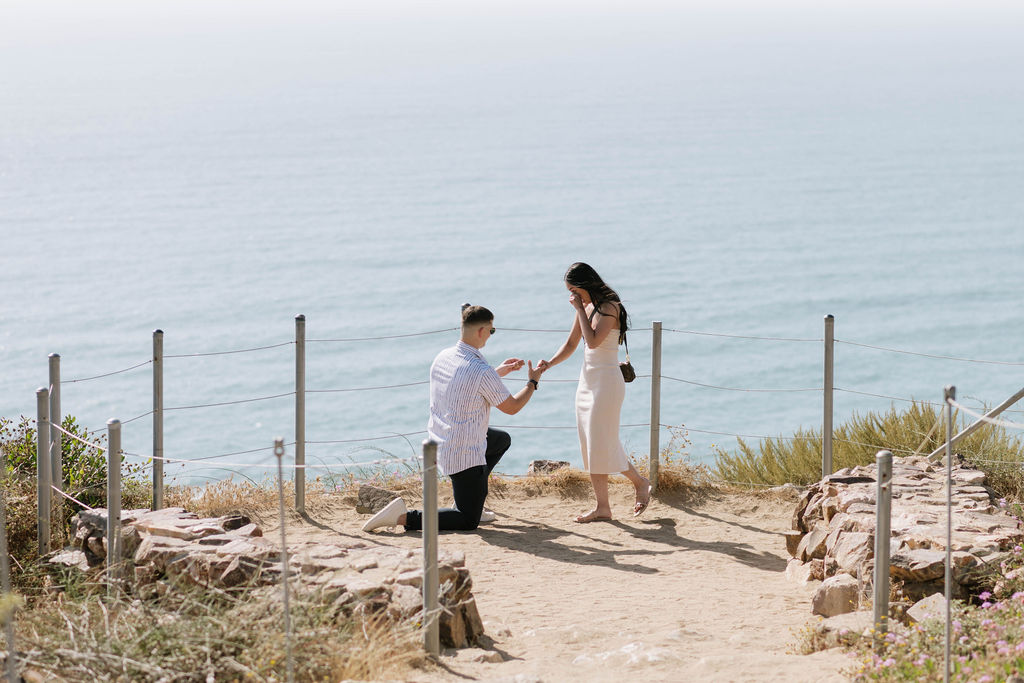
{"x":463,"y":387}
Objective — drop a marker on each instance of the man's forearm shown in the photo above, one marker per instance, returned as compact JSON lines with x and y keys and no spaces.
{"x":522,"y":397}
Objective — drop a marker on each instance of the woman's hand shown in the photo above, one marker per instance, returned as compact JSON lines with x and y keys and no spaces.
{"x":509,"y":365}
{"x":576,"y":302}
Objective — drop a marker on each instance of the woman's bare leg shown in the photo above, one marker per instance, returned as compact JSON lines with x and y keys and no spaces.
{"x":604,"y":508}
{"x":642,"y":486}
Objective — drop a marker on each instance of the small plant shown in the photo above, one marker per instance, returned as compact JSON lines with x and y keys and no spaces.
{"x":987,"y":645}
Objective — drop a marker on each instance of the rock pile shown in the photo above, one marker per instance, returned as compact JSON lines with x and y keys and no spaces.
{"x":169,"y":547}
{"x":834,"y":532}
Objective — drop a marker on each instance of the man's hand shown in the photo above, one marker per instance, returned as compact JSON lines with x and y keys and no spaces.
{"x":508,"y":365}
{"x":536,"y":372}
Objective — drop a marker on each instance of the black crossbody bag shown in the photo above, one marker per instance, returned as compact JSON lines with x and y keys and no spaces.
{"x":628,"y":373}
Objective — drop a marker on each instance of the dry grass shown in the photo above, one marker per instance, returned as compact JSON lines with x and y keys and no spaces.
{"x":200,"y":635}
{"x":679,"y":480}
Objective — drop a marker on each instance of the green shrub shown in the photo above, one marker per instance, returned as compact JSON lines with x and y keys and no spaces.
{"x":917,"y":430}
{"x":84,"y":471}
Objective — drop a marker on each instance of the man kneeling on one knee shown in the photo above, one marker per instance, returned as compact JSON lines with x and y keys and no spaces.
{"x":463,"y":388}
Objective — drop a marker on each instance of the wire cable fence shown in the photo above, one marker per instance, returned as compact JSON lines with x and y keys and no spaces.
{"x":237,"y":462}
{"x":300,"y":392}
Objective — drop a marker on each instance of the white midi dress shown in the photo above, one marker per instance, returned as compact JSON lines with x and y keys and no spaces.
{"x":598,"y":405}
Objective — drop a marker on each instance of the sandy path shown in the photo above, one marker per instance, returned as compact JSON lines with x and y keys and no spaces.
{"x":684,"y":593}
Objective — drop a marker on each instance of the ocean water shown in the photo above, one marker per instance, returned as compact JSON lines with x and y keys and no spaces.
{"x":214,"y":169}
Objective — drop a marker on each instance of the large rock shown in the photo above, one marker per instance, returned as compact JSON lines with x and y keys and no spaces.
{"x":843,"y":505}
{"x":169,"y":548}
{"x":846,"y":629}
{"x":932,"y":607}
{"x":852,"y":551}
{"x":545,"y":466}
{"x":373,"y":499}
{"x":836,"y":595}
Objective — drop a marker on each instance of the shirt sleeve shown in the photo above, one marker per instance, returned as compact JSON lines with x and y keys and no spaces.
{"x":492,"y":388}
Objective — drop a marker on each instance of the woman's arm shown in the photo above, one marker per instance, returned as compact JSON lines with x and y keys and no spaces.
{"x":603,"y":323}
{"x":567,"y":349}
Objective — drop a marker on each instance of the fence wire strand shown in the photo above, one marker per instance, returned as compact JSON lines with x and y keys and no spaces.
{"x":391,"y":336}
{"x":227,"y":353}
{"x":739,"y":436}
{"x":389,"y":386}
{"x":756,"y":391}
{"x":1007,"y":424}
{"x":228,"y":455}
{"x":137,"y":417}
{"x":741,"y":336}
{"x":231,"y":403}
{"x":930,"y":355}
{"x":891,"y":398}
{"x":106,"y":374}
{"x":76,"y":438}
{"x":306,"y":466}
{"x":372,"y":438}
{"x":876,"y":446}
{"x":72,"y":499}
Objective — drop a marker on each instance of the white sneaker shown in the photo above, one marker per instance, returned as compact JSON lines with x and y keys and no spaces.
{"x":388,"y":516}
{"x":487,"y":516}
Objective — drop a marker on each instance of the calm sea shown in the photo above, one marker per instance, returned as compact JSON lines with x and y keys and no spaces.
{"x":213,"y":169}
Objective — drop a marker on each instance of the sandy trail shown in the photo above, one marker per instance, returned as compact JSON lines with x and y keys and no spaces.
{"x":687,"y":592}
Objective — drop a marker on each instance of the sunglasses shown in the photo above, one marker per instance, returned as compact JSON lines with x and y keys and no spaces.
{"x":493,"y":330}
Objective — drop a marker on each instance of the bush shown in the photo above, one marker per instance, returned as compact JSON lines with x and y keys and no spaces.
{"x":917,"y":430}
{"x":84,"y":471}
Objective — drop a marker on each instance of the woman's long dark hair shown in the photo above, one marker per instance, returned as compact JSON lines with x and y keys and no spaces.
{"x":583,"y":276}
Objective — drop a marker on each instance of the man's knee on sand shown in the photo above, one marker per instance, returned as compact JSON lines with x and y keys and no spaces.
{"x":499,"y":441}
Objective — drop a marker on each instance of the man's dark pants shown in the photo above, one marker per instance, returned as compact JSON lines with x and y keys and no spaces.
{"x":470,"y":490}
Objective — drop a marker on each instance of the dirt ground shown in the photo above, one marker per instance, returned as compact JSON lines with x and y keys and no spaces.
{"x":689,"y":591}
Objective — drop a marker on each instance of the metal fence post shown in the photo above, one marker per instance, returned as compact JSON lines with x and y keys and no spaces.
{"x":279,"y":452}
{"x":883,"y":517}
{"x":655,"y":453}
{"x":43,"y":478}
{"x":826,"y":420}
{"x":300,"y":413}
{"x":949,"y":394}
{"x":431,"y":625}
{"x":158,"y":419}
{"x":56,"y":440}
{"x":113,"y":498}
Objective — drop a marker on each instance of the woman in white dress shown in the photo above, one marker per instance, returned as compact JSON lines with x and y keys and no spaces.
{"x":601,"y":323}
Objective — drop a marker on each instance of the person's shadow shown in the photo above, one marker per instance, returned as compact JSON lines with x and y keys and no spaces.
{"x":537,"y":538}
